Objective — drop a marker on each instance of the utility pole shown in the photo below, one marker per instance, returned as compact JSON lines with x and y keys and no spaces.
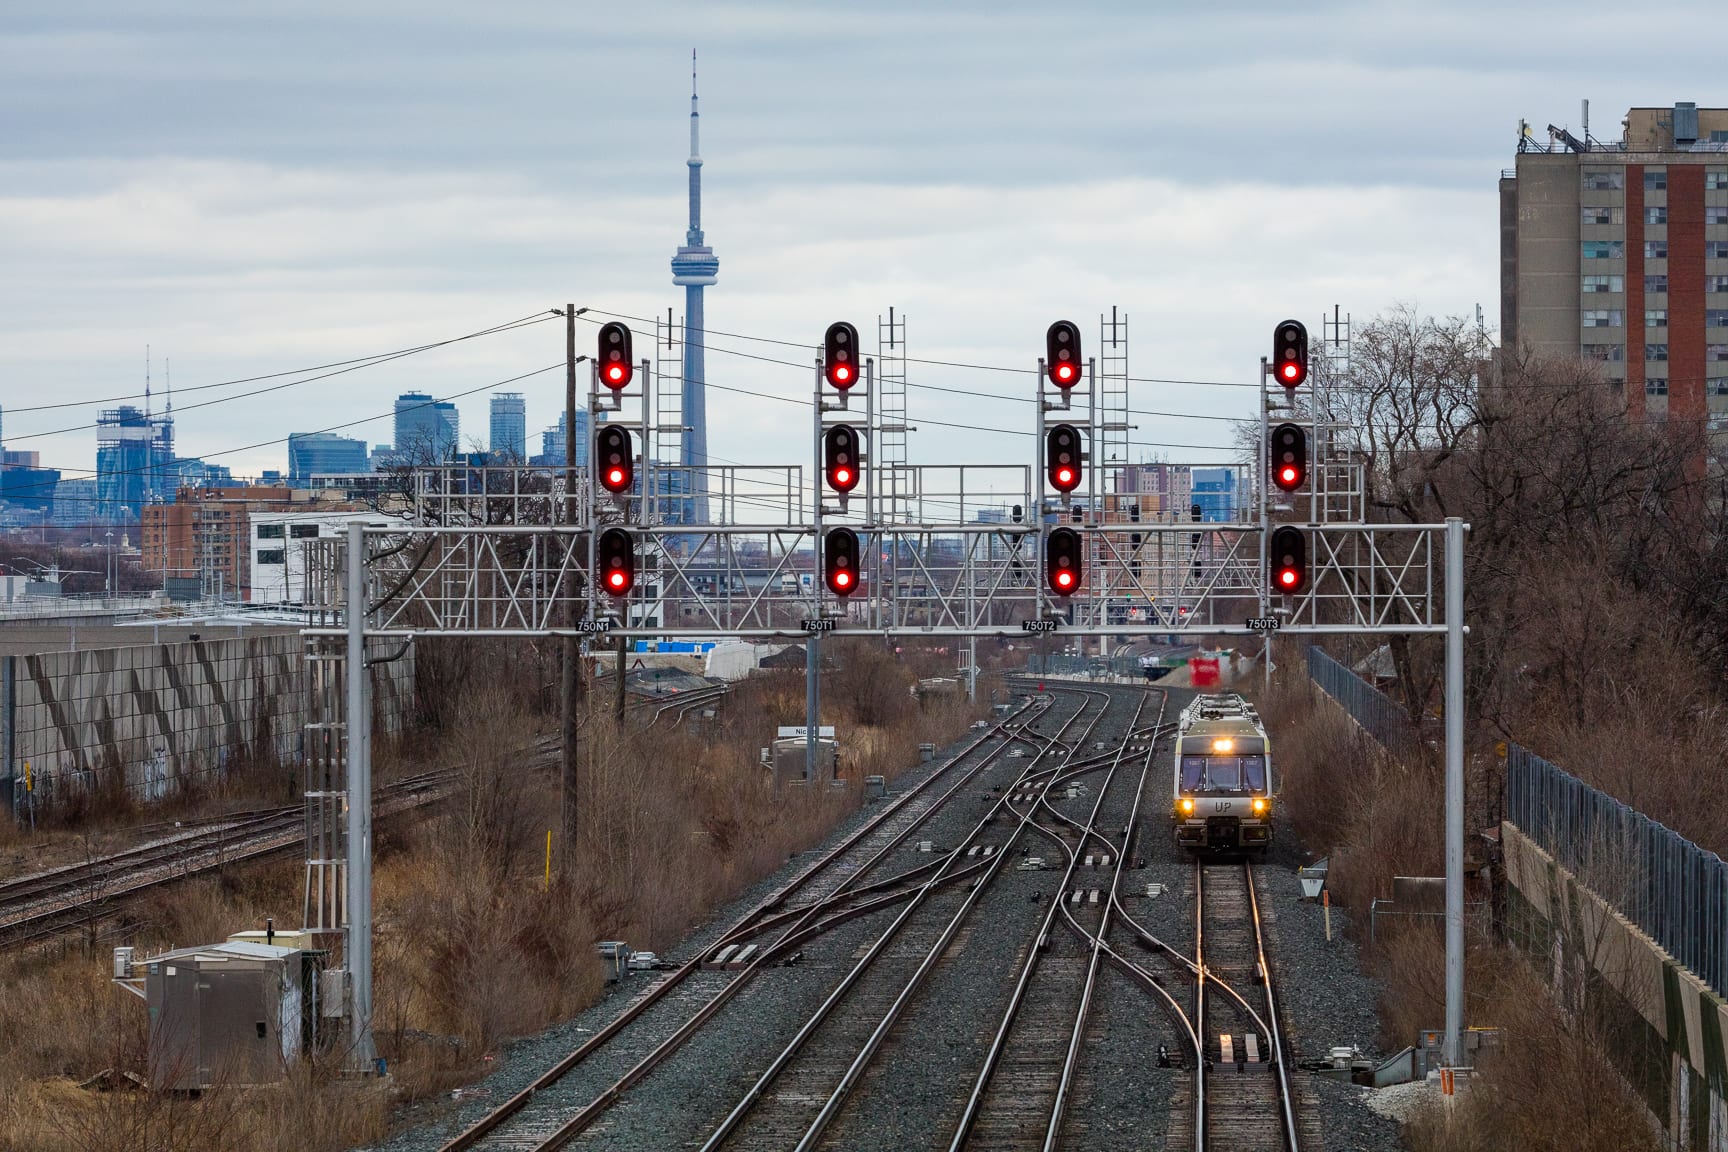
{"x":1453,"y":1049}
{"x":570,"y":674}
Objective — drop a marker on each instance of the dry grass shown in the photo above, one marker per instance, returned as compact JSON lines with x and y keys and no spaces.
{"x":471,"y":945}
{"x":1550,"y":1087}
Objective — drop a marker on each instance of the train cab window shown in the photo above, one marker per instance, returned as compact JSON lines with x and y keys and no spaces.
{"x":1224,"y":773}
{"x":1254,"y":773}
{"x":1193,"y":772}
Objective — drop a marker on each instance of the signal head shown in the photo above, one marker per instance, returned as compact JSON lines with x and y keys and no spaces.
{"x":1289,"y":457}
{"x":614,"y":357}
{"x":840,"y":458}
{"x":1062,"y":457}
{"x":1063,"y":567}
{"x":1062,"y":354}
{"x":1290,"y":353}
{"x":614,"y":459}
{"x":615,"y":558}
{"x":1289,"y":560}
{"x":840,"y":356}
{"x":840,"y":568}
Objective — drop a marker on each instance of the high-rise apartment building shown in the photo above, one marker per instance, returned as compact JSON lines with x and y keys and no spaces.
{"x":323,"y":454}
{"x":426,"y":429}
{"x":509,"y":432}
{"x":552,"y":442}
{"x":1618,"y":252}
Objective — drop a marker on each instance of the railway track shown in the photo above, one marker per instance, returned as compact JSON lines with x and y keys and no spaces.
{"x":44,"y":904}
{"x":831,"y":1074}
{"x":545,"y":1116}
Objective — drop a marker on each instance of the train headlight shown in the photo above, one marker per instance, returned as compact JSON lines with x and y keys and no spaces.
{"x":1223,"y":744}
{"x":1260,"y":805}
{"x":1187,"y":806}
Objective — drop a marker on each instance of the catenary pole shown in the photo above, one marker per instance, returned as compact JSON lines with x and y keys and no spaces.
{"x":1455,"y":528}
{"x":812,"y":659}
{"x":569,"y":675}
{"x":359,"y":935}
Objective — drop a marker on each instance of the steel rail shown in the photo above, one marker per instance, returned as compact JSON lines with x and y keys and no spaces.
{"x":1070,"y":1062}
{"x":1281,"y":1064}
{"x":999,"y":1042}
{"x":1018,"y":722}
{"x":791,"y":1050}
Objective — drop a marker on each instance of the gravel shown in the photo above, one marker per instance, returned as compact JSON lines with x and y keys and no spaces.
{"x":926,"y":1068}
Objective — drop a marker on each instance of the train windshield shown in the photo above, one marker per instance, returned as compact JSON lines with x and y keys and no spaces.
{"x":1223,"y":773}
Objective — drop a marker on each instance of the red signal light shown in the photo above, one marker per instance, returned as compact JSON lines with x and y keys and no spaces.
{"x":1290,"y":353}
{"x":840,"y":559}
{"x":840,"y":355}
{"x":614,"y":356}
{"x":1062,"y":354}
{"x":1288,"y":577}
{"x":1064,"y":476}
{"x":842,"y":579}
{"x":614,"y":455}
{"x":1289,"y":555}
{"x":1064,"y":579}
{"x":840,"y":457}
{"x":1062,"y":561}
{"x":1292,"y":371}
{"x":616,"y":557}
{"x":842,"y":476}
{"x":1062,"y":457}
{"x":1289,"y":475}
{"x":1289,"y":450}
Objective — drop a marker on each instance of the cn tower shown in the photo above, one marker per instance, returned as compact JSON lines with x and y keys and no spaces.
{"x":695,"y":267}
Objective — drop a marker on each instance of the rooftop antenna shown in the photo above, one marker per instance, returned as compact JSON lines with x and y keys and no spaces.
{"x":1585,"y":117}
{"x":146,"y":380}
{"x":168,"y":382}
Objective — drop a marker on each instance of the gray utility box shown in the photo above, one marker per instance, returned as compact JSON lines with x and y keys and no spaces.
{"x":788,"y":758}
{"x":228,"y":1014}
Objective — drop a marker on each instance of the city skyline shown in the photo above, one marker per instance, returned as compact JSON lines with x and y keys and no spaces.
{"x":976,"y":195}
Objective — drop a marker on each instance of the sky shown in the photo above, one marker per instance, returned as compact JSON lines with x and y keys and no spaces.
{"x":251,"y":192}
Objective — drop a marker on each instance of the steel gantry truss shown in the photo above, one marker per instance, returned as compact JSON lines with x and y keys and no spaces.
{"x":948,"y":551}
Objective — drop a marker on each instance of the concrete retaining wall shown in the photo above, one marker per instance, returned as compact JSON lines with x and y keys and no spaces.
{"x":153,"y":717}
{"x":1667,"y":1028}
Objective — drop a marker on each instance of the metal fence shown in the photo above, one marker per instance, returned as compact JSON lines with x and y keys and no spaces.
{"x":1671,"y":888}
{"x":1379,"y":715}
{"x":1675,"y":891}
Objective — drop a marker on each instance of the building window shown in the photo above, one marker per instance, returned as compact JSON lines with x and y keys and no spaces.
{"x":269,"y":531}
{"x":1655,"y":249}
{"x":1656,"y":214}
{"x":1604,"y":284}
{"x":1716,"y":283}
{"x":1605,"y":353}
{"x":1716,"y":249}
{"x":1716,"y":213}
{"x":1717,"y":386}
{"x":305,"y":531}
{"x":1655,"y":352}
{"x":270,"y":556}
{"x":1717,"y":353}
{"x":1602,"y":179}
{"x":1655,"y":386}
{"x":1716,"y":318}
{"x":1601,"y":214}
{"x":1656,"y":283}
{"x":1603,"y":318}
{"x":1716,"y":179}
{"x":1656,"y":318}
{"x":1655,"y":179}
{"x":1604,"y":249}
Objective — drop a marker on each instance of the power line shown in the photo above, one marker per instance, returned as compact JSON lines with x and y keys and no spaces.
{"x":343,"y":368}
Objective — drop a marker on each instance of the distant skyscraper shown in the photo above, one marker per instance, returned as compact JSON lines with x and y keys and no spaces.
{"x":552,"y":442}
{"x":509,"y":438}
{"x":426,"y":429}
{"x":134,"y":460}
{"x":695,"y":267}
{"x":323,"y":454}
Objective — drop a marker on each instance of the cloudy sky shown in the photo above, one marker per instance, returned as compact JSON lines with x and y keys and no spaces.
{"x":257,"y":189}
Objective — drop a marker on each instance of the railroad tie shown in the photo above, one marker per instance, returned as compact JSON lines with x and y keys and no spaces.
{"x":1092,"y":896}
{"x":1251,"y":1042}
{"x":1074,"y":897}
{"x":1225,"y":1048}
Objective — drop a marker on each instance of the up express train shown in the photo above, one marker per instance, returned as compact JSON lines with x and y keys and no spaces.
{"x":1223,"y":783}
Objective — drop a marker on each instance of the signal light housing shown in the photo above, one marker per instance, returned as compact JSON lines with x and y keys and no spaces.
{"x":614,"y":459}
{"x":1062,"y":354}
{"x":840,"y":567}
{"x":617,"y":368}
{"x":615,"y":560}
{"x":1289,"y":560}
{"x":1063,"y":567}
{"x":1290,"y":353}
{"x":840,"y":458}
{"x":840,"y":358}
{"x":1289,"y":457}
{"x":1062,"y":457}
